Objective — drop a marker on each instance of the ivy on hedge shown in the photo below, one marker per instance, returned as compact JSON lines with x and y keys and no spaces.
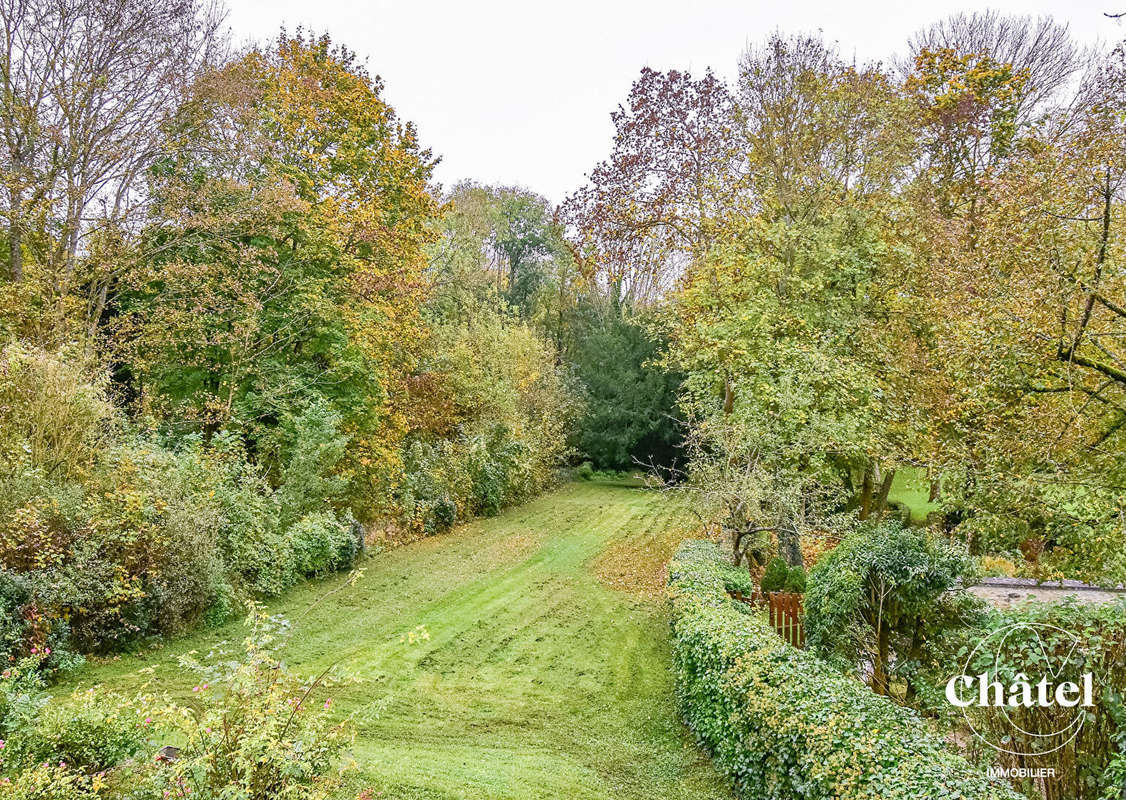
{"x":783,"y":724}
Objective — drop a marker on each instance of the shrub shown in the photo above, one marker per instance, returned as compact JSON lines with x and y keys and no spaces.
{"x":998,"y":566}
{"x":257,"y":732}
{"x":585,"y":471}
{"x":795,"y":581}
{"x":775,"y":575}
{"x":49,"y":781}
{"x":309,"y":479}
{"x":249,"y":531}
{"x":254,"y":731}
{"x":15,"y":591}
{"x":50,"y":410}
{"x":782,"y":723}
{"x":1062,"y":640}
{"x":320,"y":543}
{"x":155,"y":520}
{"x":781,"y":577}
{"x":878,"y":596}
{"x":501,"y":437}
{"x":90,"y":733}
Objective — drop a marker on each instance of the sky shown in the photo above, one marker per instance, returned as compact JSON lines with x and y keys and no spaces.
{"x":519,"y":92}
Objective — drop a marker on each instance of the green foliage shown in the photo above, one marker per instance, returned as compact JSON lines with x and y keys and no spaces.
{"x":1061,"y":640}
{"x":93,"y":732}
{"x":255,"y":732}
{"x":796,"y":580}
{"x":160,"y":534}
{"x":49,"y":781}
{"x":775,"y":576}
{"x":878,"y":596}
{"x":51,"y":412}
{"x":320,"y":543}
{"x":783,"y":338}
{"x":53,"y":752}
{"x":497,"y":246}
{"x":785,"y":725}
{"x":630,"y":413}
{"x":498,"y":434}
{"x":1073,"y":527}
{"x":284,"y":284}
{"x":258,"y":732}
{"x":309,"y":478}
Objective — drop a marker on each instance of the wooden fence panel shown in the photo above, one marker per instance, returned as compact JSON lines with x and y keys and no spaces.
{"x":786,"y":616}
{"x":785,"y":610}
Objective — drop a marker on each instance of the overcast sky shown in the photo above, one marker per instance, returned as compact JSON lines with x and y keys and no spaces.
{"x":520,"y":92}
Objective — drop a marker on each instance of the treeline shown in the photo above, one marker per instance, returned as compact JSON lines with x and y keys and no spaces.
{"x":864,"y":268}
{"x":242,"y":331}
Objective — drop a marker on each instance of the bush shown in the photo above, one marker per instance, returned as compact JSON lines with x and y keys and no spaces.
{"x":158,"y":535}
{"x":257,"y":731}
{"x":1063,"y":640}
{"x":320,"y":543}
{"x":795,"y":581}
{"x":775,"y":575}
{"x":254,"y":731}
{"x":781,"y":577}
{"x":878,"y":596}
{"x":49,"y":781}
{"x":782,"y":723}
{"x":585,"y":471}
{"x":50,"y":410}
{"x":155,"y":521}
{"x":501,"y":436}
{"x":309,"y":480}
{"x":91,"y":733}
{"x":249,"y":530}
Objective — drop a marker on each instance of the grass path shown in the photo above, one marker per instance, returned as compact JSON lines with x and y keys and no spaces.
{"x":546,"y":671}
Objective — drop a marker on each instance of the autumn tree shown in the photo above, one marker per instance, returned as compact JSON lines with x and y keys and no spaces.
{"x":500,"y":244}
{"x":85,"y":86}
{"x":290,"y":219}
{"x":1031,"y":321}
{"x":787,"y":330}
{"x":655,"y":205}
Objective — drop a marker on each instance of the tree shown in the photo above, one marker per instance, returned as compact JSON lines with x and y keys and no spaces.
{"x":631,"y":417}
{"x":790,"y":332}
{"x":290,"y":219}
{"x":1028,"y":323}
{"x":85,"y":86}
{"x":497,"y":244}
{"x":819,"y":132}
{"x":1041,"y":49}
{"x":876,"y":596}
{"x":654,"y":206}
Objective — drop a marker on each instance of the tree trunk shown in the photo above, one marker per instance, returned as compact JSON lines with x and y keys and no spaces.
{"x":789,"y":547}
{"x":866,"y":494}
{"x":728,"y":397}
{"x":880,"y":668}
{"x":885,"y":490}
{"x":15,"y":240}
{"x":15,"y":252}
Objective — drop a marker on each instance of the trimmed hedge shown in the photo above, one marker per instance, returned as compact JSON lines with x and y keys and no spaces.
{"x":783,"y":724}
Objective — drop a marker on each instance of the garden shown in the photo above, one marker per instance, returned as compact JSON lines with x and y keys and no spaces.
{"x":320,"y":478}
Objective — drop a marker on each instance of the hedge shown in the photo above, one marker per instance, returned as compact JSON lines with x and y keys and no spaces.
{"x":783,"y":724}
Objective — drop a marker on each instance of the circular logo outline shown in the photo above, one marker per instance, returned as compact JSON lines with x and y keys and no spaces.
{"x":1076,"y":722}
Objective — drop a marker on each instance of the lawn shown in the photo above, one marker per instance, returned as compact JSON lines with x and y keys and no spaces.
{"x":911,"y":488}
{"x":545,"y":673}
